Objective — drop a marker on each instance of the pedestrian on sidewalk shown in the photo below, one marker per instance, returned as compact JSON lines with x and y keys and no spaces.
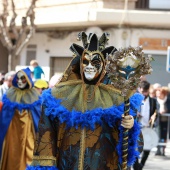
{"x":163,"y":104}
{"x":146,"y":115}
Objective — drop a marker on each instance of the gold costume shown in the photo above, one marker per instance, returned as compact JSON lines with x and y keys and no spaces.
{"x":22,"y":107}
{"x":80,"y":127}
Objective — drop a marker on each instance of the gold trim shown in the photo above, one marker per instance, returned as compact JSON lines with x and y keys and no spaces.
{"x":82,"y":149}
{"x":44,"y":157}
{"x":2,"y":154}
{"x":26,"y":76}
{"x":82,"y":140}
{"x":44,"y":161}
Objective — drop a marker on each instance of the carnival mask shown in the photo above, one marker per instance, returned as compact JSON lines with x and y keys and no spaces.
{"x":21,"y":80}
{"x":92,"y":65}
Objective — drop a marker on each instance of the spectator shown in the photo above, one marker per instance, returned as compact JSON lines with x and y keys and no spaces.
{"x":2,"y":75}
{"x":40,"y":85}
{"x":163,"y":102}
{"x":7,"y":83}
{"x":38,"y":71}
{"x":152,"y":91}
{"x":147,"y":114}
{"x":156,"y":86}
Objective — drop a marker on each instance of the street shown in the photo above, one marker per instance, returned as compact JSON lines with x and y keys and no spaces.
{"x":158,"y":162}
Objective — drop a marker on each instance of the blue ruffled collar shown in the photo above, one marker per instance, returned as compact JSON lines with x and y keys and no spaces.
{"x":89,"y":118}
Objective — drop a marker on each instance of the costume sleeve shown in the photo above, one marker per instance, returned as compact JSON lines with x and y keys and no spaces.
{"x":45,"y":146}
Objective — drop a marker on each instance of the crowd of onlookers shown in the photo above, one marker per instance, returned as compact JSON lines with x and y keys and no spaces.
{"x":154,"y":114}
{"x":162,"y":96}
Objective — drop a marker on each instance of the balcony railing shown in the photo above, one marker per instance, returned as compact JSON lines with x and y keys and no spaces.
{"x":163,"y":5}
{"x":142,"y":4}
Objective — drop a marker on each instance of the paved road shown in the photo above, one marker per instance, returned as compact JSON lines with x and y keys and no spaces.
{"x":158,"y":162}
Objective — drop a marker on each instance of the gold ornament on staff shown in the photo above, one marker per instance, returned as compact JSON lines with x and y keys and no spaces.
{"x":125,"y":67}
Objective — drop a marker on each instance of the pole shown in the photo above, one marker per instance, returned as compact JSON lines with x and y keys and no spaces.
{"x":125,"y":137}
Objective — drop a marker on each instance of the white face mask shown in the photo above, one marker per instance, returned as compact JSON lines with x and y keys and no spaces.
{"x":21,"y":81}
{"x":92,"y":66}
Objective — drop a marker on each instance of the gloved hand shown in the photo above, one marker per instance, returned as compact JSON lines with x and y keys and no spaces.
{"x":127,"y":121}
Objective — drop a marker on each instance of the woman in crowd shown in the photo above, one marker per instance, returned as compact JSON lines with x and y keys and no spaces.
{"x":163,"y":104}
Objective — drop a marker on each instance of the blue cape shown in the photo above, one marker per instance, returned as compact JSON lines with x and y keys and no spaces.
{"x":9,"y":107}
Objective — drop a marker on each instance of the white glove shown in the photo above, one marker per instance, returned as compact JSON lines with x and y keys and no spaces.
{"x":127,"y":121}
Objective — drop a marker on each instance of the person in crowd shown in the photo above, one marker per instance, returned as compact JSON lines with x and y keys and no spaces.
{"x":19,"y":117}
{"x":38,"y":71}
{"x":2,"y":75}
{"x":152,"y":91}
{"x":156,"y":86}
{"x":7,"y":83}
{"x":146,"y":116}
{"x":163,"y":104}
{"x":142,"y":78}
{"x":55,"y":79}
{"x":41,"y":85}
{"x":82,"y":121}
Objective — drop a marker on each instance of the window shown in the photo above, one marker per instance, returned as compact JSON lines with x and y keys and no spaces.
{"x":31,"y":53}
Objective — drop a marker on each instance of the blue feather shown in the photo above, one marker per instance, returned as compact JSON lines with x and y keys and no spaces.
{"x":41,"y":168}
{"x":90,"y":118}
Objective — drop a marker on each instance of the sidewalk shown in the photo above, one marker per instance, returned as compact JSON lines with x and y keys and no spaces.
{"x":158,"y":162}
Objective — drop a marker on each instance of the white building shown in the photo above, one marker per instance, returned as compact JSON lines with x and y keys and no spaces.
{"x":129,"y":22}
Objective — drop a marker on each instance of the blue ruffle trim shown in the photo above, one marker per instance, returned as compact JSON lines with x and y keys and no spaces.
{"x":41,"y":168}
{"x":14,"y":105}
{"x":133,"y":139}
{"x":89,"y":118}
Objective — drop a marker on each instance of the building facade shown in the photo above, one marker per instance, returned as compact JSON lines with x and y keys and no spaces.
{"x":129,"y":22}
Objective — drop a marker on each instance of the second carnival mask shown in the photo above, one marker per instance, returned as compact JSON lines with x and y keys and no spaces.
{"x":21,"y":80}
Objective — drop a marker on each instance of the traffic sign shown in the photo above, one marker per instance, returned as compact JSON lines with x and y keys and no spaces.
{"x":168,"y":60}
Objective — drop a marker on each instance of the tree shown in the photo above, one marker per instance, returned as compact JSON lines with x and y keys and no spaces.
{"x":13,"y":37}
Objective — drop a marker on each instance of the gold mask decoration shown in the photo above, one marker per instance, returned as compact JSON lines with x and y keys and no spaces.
{"x":92,"y":64}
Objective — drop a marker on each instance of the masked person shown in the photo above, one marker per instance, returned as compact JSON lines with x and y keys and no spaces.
{"x":82,"y":116}
{"x":41,"y":85}
{"x":19,"y":118}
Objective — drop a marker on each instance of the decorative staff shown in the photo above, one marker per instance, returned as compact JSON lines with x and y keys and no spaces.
{"x":125,"y":67}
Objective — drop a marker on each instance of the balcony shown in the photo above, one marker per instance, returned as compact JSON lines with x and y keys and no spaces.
{"x":78,"y":14}
{"x":103,"y":13}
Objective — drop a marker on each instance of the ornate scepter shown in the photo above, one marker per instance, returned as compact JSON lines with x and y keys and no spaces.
{"x":125,"y":67}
